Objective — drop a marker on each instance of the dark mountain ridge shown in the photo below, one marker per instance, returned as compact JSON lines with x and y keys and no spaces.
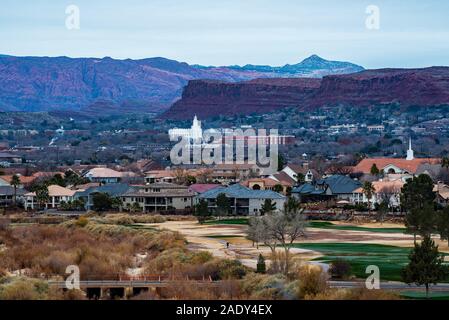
{"x":147,"y":85}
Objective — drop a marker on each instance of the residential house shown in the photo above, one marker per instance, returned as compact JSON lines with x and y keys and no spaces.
{"x":243,"y":200}
{"x":269,"y":184}
{"x":295,"y":170}
{"x":336,"y":187}
{"x":432,"y":170}
{"x":142,"y":166}
{"x":157,"y":176}
{"x":388,"y":191}
{"x":112,"y":189}
{"x":442,"y":194}
{"x":160,"y":197}
{"x":233,"y":173}
{"x":5,"y":180}
{"x":106,"y":175}
{"x":57,"y":194}
{"x":7,"y":195}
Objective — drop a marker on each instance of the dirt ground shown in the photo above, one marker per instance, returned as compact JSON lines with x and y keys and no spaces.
{"x":213,"y":238}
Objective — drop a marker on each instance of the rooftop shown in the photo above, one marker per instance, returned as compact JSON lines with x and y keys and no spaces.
{"x":241,"y":192}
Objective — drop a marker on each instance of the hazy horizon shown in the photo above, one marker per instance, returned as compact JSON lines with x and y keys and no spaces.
{"x":262,"y":32}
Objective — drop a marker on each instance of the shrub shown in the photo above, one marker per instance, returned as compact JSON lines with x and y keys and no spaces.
{"x":82,"y":222}
{"x":24,"y":289}
{"x":225,"y":269}
{"x":312,"y":281}
{"x":165,"y":240}
{"x":340,"y":269}
{"x":259,"y":286}
{"x":261,"y":267}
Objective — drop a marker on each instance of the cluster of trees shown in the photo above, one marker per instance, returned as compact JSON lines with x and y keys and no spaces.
{"x":104,"y":202}
{"x":423,"y":216}
{"x":223,"y":208}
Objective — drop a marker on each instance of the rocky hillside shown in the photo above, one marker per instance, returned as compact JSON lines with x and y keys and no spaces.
{"x":406,"y":87}
{"x":209,"y":98}
{"x":150,"y":85}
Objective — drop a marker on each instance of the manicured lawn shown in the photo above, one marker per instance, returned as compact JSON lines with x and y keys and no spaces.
{"x":330,"y":225}
{"x":421,"y":295}
{"x":238,"y":221}
{"x":389,"y":259}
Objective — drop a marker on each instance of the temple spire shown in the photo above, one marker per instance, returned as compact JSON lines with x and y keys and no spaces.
{"x":410,"y":153}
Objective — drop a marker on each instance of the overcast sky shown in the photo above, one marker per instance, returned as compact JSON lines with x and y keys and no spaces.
{"x":210,"y":32}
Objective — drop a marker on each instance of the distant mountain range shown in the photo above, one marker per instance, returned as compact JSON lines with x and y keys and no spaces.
{"x":404,"y":88}
{"x":97,"y":86}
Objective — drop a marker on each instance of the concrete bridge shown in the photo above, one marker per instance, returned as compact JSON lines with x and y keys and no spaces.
{"x":97,"y":289}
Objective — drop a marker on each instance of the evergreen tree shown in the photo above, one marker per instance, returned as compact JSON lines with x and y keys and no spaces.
{"x":268,"y":207}
{"x":421,"y":221}
{"x":281,"y":162}
{"x":102,"y":202}
{"x":223,"y":205}
{"x":425,"y":266}
{"x":261,"y":266}
{"x":443,"y":224}
{"x":278,"y":188}
{"x":374,"y":170}
{"x":201,"y":211}
{"x":417,"y":192}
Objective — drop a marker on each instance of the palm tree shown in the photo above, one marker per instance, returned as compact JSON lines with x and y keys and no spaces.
{"x":368,"y":190}
{"x":15,"y":182}
{"x":42,"y":196}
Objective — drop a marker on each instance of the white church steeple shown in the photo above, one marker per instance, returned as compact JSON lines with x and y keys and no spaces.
{"x":196,"y":131}
{"x":410,"y":153}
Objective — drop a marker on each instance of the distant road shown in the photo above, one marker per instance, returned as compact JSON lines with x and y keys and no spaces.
{"x":387,"y":285}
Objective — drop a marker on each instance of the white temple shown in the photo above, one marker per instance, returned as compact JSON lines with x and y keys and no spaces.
{"x":410,"y":153}
{"x":195,"y":132}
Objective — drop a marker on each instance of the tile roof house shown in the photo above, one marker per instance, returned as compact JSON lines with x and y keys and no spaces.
{"x":244,"y":201}
{"x":56,"y":193}
{"x":231,"y":173}
{"x":5,"y":180}
{"x":269,"y":183}
{"x":389,"y":191}
{"x":392,"y":165}
{"x":106,"y":175}
{"x":409,"y":165}
{"x":160,"y":197}
{"x":155,"y":176}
